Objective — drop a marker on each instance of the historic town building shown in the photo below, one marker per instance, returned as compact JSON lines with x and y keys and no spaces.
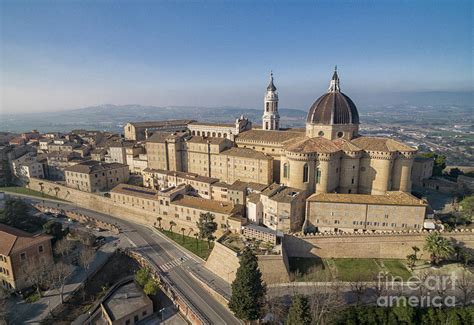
{"x":271,"y":118}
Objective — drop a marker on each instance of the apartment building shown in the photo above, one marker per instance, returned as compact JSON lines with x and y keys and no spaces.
{"x":19,"y":253}
{"x":95,"y":176}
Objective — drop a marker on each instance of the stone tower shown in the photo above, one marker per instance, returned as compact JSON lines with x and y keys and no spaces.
{"x":271,"y":118}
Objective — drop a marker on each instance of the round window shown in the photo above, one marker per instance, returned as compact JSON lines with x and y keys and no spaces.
{"x":321,"y":133}
{"x":340,"y":134}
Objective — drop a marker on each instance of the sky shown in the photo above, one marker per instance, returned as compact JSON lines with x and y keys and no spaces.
{"x":59,"y":55}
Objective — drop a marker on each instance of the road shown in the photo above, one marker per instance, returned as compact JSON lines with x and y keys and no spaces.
{"x":161,"y":251}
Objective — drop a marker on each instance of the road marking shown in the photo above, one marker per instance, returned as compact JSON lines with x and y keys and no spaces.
{"x":178,"y":261}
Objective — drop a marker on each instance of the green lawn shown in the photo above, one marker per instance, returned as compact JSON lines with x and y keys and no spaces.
{"x":198,"y":247}
{"x":307,"y":269}
{"x":397,"y":268}
{"x":356,"y":269}
{"x":26,"y":191}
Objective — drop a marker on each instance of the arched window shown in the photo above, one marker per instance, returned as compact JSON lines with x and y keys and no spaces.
{"x":318,"y":176}
{"x":286,"y":170}
{"x":225,"y":135}
{"x":305,"y":173}
{"x":267,"y":106}
{"x":219,"y":135}
{"x":214,"y":134}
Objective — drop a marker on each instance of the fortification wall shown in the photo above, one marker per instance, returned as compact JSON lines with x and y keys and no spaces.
{"x":224,"y":262}
{"x":105,"y":205}
{"x":393,"y":245}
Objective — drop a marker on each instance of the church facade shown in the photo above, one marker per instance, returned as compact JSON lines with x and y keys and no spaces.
{"x":328,"y":156}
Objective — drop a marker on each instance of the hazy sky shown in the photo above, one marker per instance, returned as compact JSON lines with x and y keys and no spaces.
{"x":58,"y":55}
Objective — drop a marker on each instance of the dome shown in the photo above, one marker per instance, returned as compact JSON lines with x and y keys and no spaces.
{"x":333,"y":107}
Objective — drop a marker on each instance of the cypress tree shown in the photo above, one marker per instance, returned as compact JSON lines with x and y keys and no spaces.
{"x":248,"y":290}
{"x":299,"y":313}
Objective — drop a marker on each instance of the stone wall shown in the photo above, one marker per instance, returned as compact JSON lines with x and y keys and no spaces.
{"x":397,"y":245}
{"x":224,"y":262}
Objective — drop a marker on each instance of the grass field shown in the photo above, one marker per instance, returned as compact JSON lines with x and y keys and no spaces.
{"x":345,"y":269}
{"x":26,"y":191}
{"x":197,"y":247}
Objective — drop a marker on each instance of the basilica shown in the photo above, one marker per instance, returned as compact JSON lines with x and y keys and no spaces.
{"x":328,"y":156}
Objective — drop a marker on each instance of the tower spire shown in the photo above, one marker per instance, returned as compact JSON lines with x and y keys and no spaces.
{"x":271,"y":86}
{"x":334,"y":84}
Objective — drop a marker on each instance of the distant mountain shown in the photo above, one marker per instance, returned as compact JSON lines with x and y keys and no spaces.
{"x":113,"y":117}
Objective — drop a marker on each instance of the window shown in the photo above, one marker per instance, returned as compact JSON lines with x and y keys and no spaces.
{"x":23,"y":256}
{"x":340,"y":134}
{"x":135,"y":318}
{"x":286,"y":170}
{"x":305,"y":173}
{"x":40,"y":249}
{"x":127,"y":322}
{"x":321,"y":133}
{"x":318,"y":176}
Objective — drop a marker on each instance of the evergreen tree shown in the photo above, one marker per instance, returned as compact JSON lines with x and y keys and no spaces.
{"x":248,"y":290}
{"x":299,"y":313}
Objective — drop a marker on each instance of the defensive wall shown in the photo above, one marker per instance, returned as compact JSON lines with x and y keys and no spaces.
{"x":101,"y":204}
{"x":224,"y":262}
{"x":395,"y":245}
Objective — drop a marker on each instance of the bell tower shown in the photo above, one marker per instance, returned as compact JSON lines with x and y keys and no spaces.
{"x":271,"y":118}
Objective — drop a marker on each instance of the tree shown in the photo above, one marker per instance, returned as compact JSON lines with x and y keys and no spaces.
{"x":465,"y":285}
{"x":182,"y":231}
{"x":38,"y":276}
{"x":54,"y":228}
{"x":439,"y":247}
{"x":41,"y":184}
{"x":86,"y":256}
{"x":411,"y":260}
{"x":56,"y":190}
{"x":439,"y":162}
{"x":207,"y":226}
{"x":415,"y":249}
{"x":248,"y":290}
{"x":142,"y":276}
{"x":159,"y":221}
{"x":60,"y":273}
{"x":467,"y":207}
{"x":299,"y":313}
{"x":151,"y":287}
{"x":172,"y":224}
{"x":4,"y":308}
{"x":63,"y":247}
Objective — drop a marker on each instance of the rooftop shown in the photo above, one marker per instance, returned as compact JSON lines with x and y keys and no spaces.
{"x":125,"y":300}
{"x":162,"y":136}
{"x":127,"y":189}
{"x":185,"y":175}
{"x":381,"y":144}
{"x":205,"y":204}
{"x":156,"y":124}
{"x":246,"y":153}
{"x":268,"y":136}
{"x":312,"y":145}
{"x":214,"y":124}
{"x":390,"y":198}
{"x":211,"y":140}
{"x":93,"y":166}
{"x":13,"y":240}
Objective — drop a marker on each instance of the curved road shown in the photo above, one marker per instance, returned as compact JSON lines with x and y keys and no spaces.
{"x":163,"y":252}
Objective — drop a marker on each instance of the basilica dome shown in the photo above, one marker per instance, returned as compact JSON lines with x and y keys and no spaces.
{"x":333,"y":107}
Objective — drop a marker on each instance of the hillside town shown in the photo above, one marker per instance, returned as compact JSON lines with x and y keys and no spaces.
{"x":324,"y":190}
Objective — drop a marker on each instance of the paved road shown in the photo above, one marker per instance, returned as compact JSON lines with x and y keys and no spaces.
{"x":161,"y":251}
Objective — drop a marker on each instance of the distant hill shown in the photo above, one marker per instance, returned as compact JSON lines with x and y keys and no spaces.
{"x":113,"y":117}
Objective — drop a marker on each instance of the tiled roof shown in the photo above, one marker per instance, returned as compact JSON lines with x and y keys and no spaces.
{"x":156,"y":124}
{"x":186,"y":175}
{"x":310,"y":145}
{"x":162,"y":136}
{"x":275,"y":137}
{"x":138,"y":191}
{"x":14,"y":240}
{"x":214,"y":124}
{"x":205,"y":204}
{"x":93,"y":166}
{"x":380,"y":144}
{"x":245,"y":153}
{"x":211,"y":140}
{"x":345,"y":145}
{"x":390,"y":198}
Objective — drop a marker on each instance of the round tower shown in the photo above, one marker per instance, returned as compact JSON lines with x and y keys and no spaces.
{"x":271,"y":118}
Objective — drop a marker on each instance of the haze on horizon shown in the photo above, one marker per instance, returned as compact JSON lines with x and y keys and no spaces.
{"x":64,"y":55}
